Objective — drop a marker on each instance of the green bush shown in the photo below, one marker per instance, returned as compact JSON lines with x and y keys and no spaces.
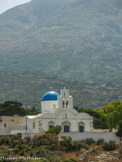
{"x":69,"y":144}
{"x":100,"y":141}
{"x":27,"y":140}
{"x":16,"y":137}
{"x":109,"y":146}
{"x":90,"y":141}
{"x":45,"y":140}
{"x":119,"y":132}
{"x":66,"y":141}
{"x":56,"y":158}
{"x":22,"y":153}
{"x":55,"y":130}
{"x":15,"y":143}
{"x":5,"y":140}
{"x":41,"y":152}
{"x":71,"y":160}
{"x":16,"y":150}
{"x":120,"y":153}
{"x":4,"y":155}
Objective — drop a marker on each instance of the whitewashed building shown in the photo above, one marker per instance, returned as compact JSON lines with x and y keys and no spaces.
{"x":10,"y":123}
{"x":58,"y":110}
{"x":55,"y":110}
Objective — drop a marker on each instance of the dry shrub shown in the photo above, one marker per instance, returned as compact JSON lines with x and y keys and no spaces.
{"x":3,"y":148}
{"x":39,"y":140}
{"x":91,"y":156}
{"x":58,"y":147}
{"x":70,"y":155}
{"x":82,"y":150}
{"x":84,"y":145}
{"x":60,"y":153}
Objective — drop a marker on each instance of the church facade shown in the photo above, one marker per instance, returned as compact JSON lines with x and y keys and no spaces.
{"x":58,"y":110}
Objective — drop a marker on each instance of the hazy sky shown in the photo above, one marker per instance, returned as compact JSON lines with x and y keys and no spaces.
{"x":6,"y":4}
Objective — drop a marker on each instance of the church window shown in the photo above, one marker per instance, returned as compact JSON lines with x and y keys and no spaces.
{"x":34,"y":125}
{"x":81,"y":128}
{"x":63,"y":103}
{"x":51,"y":126}
{"x":66,"y":129}
{"x":66,"y":126}
{"x":67,"y":104}
{"x":5,"y":125}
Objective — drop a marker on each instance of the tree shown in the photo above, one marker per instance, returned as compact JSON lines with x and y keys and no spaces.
{"x":55,"y":130}
{"x":106,"y":117}
{"x":10,"y":108}
{"x":119,"y":133}
{"x":32,"y":111}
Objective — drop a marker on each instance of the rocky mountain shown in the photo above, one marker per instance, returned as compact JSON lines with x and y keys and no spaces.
{"x":29,"y":87}
{"x":57,"y":43}
{"x":73,"y":39}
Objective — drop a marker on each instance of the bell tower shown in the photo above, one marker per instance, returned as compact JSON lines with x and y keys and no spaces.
{"x":64,"y":100}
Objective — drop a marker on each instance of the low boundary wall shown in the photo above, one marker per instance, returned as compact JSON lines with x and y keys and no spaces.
{"x":76,"y":136}
{"x":107,"y":136}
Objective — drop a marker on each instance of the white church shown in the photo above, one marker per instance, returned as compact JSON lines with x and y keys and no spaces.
{"x":58,"y":110}
{"x":55,"y":110}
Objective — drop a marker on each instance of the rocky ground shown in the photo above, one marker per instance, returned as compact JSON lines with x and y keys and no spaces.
{"x":106,"y":156}
{"x":98,"y":155}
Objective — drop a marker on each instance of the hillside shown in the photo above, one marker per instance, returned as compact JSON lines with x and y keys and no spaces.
{"x":73,"y":39}
{"x":29,"y":87}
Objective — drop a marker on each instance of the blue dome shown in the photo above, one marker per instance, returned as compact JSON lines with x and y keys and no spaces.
{"x":50,"y":96}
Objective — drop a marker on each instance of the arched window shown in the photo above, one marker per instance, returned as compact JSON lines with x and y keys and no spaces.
{"x":51,"y":124}
{"x":81,"y":126}
{"x":63,"y":103}
{"x":66,"y":126}
{"x":67,"y":104}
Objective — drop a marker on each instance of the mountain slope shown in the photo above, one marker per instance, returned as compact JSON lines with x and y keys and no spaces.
{"x":29,"y":87}
{"x":74,"y":39}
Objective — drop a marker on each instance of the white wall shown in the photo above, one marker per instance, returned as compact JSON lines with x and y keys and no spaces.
{"x":107,"y":136}
{"x":58,"y":117}
{"x":65,"y":97}
{"x":48,"y":106}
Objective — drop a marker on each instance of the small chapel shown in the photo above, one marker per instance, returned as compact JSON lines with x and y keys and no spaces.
{"x":57,"y":109}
